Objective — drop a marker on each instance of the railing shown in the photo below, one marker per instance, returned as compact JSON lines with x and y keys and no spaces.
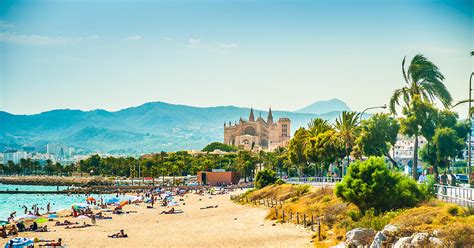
{"x":315,"y":181}
{"x":459,"y":195}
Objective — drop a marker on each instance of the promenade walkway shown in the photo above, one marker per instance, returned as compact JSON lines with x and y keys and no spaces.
{"x":462,"y":196}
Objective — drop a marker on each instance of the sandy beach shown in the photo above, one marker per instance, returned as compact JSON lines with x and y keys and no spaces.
{"x":228,"y":225}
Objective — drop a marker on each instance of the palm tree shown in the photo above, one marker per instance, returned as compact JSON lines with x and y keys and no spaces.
{"x":346,"y":127}
{"x":422,"y":78}
{"x":318,"y":125}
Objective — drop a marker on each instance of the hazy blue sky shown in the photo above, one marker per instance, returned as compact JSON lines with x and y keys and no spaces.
{"x":284,"y":54}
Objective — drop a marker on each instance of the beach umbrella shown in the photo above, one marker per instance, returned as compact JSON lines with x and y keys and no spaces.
{"x":172,"y":204}
{"x":28,"y":216}
{"x":41,"y":220}
{"x":18,"y":242}
{"x":112,"y":200}
{"x":53,"y":216}
{"x":90,"y":198}
{"x":81,"y":217}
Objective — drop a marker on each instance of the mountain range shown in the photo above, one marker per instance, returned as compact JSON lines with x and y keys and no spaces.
{"x":151,"y":127}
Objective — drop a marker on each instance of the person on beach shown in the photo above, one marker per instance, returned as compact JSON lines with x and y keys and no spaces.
{"x":171,"y":211}
{"x":34,"y":226}
{"x":120,"y":234}
{"x":48,"y":207}
{"x":54,"y":244}
{"x":4,"y":232}
{"x":26,"y":209}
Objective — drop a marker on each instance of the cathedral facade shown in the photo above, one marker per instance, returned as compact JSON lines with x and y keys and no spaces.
{"x":258,"y":134}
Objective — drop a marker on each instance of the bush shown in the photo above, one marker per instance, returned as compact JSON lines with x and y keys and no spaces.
{"x":279,"y":181}
{"x":264,"y":178}
{"x":370,"y":184}
{"x":369,"y":220}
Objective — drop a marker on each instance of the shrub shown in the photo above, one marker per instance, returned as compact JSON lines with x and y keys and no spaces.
{"x":264,"y":178}
{"x":370,"y":184}
{"x":302,"y":189}
{"x":279,"y":181}
{"x":453,"y":210}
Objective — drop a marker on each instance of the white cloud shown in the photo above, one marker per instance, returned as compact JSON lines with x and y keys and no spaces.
{"x":4,"y":25}
{"x":193,"y":42}
{"x":134,"y":38}
{"x":42,"y":40}
{"x":214,"y":47}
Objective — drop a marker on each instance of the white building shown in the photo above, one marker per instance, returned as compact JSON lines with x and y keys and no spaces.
{"x":14,"y":156}
{"x":404,"y":147}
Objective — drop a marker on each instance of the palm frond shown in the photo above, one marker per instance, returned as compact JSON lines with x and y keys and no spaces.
{"x":394,"y":100}
{"x":403,"y":70}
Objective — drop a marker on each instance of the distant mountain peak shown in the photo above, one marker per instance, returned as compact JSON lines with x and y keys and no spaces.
{"x":321,"y":107}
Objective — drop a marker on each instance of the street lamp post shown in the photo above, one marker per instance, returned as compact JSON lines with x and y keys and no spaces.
{"x":470,"y":129}
{"x":369,"y":108}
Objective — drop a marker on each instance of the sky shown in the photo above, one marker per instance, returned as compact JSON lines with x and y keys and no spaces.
{"x":84,"y":54}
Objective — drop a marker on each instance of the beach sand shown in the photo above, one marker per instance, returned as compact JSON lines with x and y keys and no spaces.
{"x":229,"y":225}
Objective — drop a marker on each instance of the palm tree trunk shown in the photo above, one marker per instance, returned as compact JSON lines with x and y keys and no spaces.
{"x":414,"y":169}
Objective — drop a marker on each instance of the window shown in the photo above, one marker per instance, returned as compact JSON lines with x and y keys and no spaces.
{"x":284,"y":130}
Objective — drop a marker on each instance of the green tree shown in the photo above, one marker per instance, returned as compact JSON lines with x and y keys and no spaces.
{"x":423,"y":79}
{"x":419,"y":114}
{"x":49,"y":167}
{"x":264,"y":178}
{"x":370,"y":184}
{"x":296,"y":150}
{"x":219,"y":146}
{"x":378,"y":134}
{"x":346,"y":127}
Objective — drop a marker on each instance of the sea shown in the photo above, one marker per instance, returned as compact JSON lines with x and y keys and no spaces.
{"x":14,"y":202}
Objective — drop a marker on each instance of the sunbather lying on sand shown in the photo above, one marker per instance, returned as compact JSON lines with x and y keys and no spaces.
{"x":65,"y":223}
{"x":210,"y":207}
{"x":172,"y":211}
{"x":53,"y":243}
{"x":81,"y":226}
{"x":120,"y":234}
{"x":42,"y":229}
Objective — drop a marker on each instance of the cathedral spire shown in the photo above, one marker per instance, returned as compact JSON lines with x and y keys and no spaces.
{"x":251,"y":117}
{"x":270,"y":116}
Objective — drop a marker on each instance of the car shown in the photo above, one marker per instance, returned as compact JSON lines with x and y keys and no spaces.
{"x":461,"y":178}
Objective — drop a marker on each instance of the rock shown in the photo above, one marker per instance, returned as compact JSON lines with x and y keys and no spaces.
{"x":403,"y":243}
{"x":390,"y":230}
{"x":420,"y":239}
{"x":360,"y":236}
{"x":378,"y":239}
{"x":435,"y":242}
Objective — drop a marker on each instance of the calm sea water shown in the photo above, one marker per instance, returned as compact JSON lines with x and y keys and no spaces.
{"x":14,"y":202}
